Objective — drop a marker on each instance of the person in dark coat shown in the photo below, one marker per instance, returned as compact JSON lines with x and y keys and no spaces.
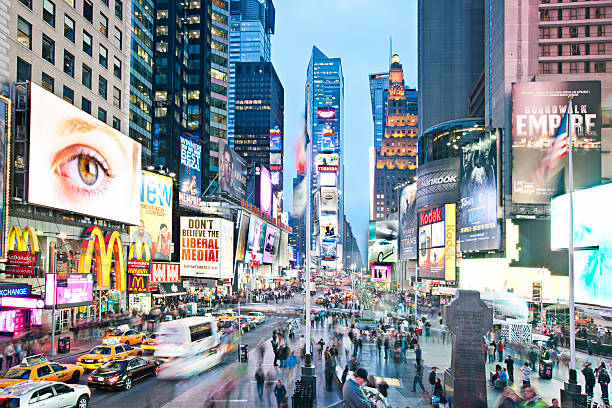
{"x":589,"y":380}
{"x":432,"y":377}
{"x":280,"y":392}
{"x":329,"y":373}
{"x":510,"y":367}
{"x":418,"y":378}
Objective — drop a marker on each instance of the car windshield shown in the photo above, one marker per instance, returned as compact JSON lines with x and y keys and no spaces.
{"x":17,"y":373}
{"x":113,"y":366}
{"x":101,"y":350}
{"x":153,"y":336}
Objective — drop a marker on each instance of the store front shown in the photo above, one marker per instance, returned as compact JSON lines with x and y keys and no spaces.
{"x":19,"y":315}
{"x":140,"y":302}
{"x":168,"y":292}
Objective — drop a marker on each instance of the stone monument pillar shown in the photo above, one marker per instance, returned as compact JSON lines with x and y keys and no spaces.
{"x":469,"y":318}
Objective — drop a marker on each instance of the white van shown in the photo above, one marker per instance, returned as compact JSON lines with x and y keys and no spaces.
{"x":184,"y":337}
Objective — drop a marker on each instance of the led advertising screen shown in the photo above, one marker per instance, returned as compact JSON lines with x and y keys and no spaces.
{"x":243,"y":231}
{"x":437,"y":183}
{"x":5,"y":126}
{"x":207,"y":247}
{"x":80,"y":164}
{"x":408,"y":223}
{"x":437,"y":243}
{"x":329,"y":226}
{"x":190,"y":173}
{"x":77,"y":292}
{"x":271,"y":243}
{"x":327,"y":179}
{"x":381,"y":273}
{"x":327,"y":162}
{"x":276,"y":140}
{"x":592,"y":241}
{"x":328,"y":249}
{"x":478,"y":228}
{"x":155,"y":228}
{"x":329,"y":199}
{"x":255,"y":242}
{"x":537,"y":111}
{"x":263,"y":190}
{"x":326,"y":114}
{"x":382,"y":241}
{"x":232,"y":171}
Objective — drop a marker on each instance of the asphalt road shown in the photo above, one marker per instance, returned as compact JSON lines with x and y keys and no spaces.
{"x":154,"y":392}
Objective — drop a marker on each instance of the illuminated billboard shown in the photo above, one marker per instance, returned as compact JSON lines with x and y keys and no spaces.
{"x":381,"y":273}
{"x":326,"y":114}
{"x":255,"y":241}
{"x":263,"y":190}
{"x":437,"y":243}
{"x":243,"y":231}
{"x":276,"y":140}
{"x":478,"y":193}
{"x":78,"y":291}
{"x":437,"y":182}
{"x":382,"y":241}
{"x":329,"y":199}
{"x":408,"y":223}
{"x":5,"y":139}
{"x":537,"y":111}
{"x":592,"y":241}
{"x":207,"y":246}
{"x":190,"y":173}
{"x":271,"y":243}
{"x":327,"y":179}
{"x":329,"y":226}
{"x":232,"y":171}
{"x":155,"y":228}
{"x":80,"y":164}
{"x":327,"y":162}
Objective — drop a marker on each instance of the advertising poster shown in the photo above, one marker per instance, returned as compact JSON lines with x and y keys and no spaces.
{"x":592,"y":226}
{"x":325,"y":115}
{"x":327,"y":162}
{"x":155,"y":227}
{"x":478,"y":229}
{"x":165,"y":272}
{"x":243,"y":231}
{"x":438,"y":183}
{"x":80,"y":164}
{"x":276,"y":139}
{"x":329,"y":199}
{"x":381,"y":273}
{"x":327,"y":179}
{"x":328,"y":249}
{"x":408,"y":223}
{"x":232,"y":171}
{"x":271,"y":243}
{"x":190,"y":173}
{"x":5,"y":126}
{"x":77,"y":292}
{"x":263,"y":190}
{"x":207,"y":246}
{"x":437,"y":243}
{"x":537,"y":111}
{"x":382,"y":241}
{"x":255,"y":242}
{"x":329,"y":226}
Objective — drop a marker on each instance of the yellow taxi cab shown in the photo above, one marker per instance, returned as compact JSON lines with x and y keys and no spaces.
{"x":319,"y":301}
{"x":150,"y":343}
{"x":126,"y":336}
{"x":39,"y":368}
{"x":107,"y":352}
{"x":228,"y":315}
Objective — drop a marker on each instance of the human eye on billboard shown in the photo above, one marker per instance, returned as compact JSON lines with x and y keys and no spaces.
{"x":80,"y":164}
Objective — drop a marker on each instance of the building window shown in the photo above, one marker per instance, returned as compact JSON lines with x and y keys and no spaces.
{"x":102,"y":114}
{"x":47,"y":82}
{"x":601,"y":31}
{"x":48,"y":49}
{"x":600,"y":12}
{"x":102,"y":87}
{"x":88,"y":10}
{"x":68,"y":95}
{"x":104,"y":24}
{"x":573,"y":32}
{"x":49,"y":12}
{"x":24,"y":33}
{"x":601,"y":48}
{"x":68,"y":28}
{"x":24,"y":70}
{"x":86,"y":105}
{"x":103,"y":56}
{"x":116,"y":97}
{"x":575,"y":50}
{"x":573,"y":14}
{"x":87,"y":43}
{"x":69,"y":63}
{"x":117,"y":67}
{"x":600,"y":66}
{"x":573,"y":67}
{"x":86,"y":76}
{"x":559,"y":68}
{"x":587,"y":67}
{"x":119,"y":9}
{"x":27,"y":3}
{"x":117,"y":123}
{"x":117,"y":38}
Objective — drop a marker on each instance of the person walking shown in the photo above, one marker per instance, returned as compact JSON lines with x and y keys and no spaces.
{"x":321,"y":343}
{"x":603,"y":379}
{"x":386,"y":347}
{"x":352,"y":393}
{"x":379,"y":345}
{"x":360,"y":345}
{"x":275,"y":348}
{"x":418,"y":378}
{"x":533,"y":357}
{"x":526,"y":370}
{"x":500,"y":351}
{"x":432,"y":377}
{"x":589,"y":380}
{"x":9,"y":352}
{"x":510,"y":367}
{"x":260,"y":379}
{"x":329,"y":372}
{"x":491,"y":353}
{"x":280,"y":392}
{"x":418,"y":353}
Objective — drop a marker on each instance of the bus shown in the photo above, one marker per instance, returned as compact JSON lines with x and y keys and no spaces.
{"x":189,"y":336}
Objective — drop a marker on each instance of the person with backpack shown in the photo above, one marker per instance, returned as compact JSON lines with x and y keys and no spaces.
{"x":603,"y":379}
{"x":589,"y":380}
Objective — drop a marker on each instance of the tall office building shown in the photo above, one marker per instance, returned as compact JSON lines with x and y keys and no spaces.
{"x":190,"y":82}
{"x":251,"y":24}
{"x":141,"y":77}
{"x":449,"y":65}
{"x":325,"y":127}
{"x":396,"y":157}
{"x":259,"y":119}
{"x":379,"y":90}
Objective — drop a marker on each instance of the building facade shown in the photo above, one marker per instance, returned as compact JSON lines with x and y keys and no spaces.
{"x":379,"y":89}
{"x":251,"y":24}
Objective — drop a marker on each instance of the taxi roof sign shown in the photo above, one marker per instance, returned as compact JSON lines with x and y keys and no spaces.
{"x":33,"y":360}
{"x":110,"y":341}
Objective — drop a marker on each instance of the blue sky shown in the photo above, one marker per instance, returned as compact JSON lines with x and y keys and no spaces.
{"x":357,"y":31}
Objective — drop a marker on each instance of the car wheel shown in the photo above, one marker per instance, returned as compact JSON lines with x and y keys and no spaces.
{"x":75,"y":377}
{"x":82,"y":402}
{"x":380,"y":257}
{"x":128,"y":383}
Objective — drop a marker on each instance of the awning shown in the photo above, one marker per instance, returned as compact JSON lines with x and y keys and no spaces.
{"x":170,"y":289}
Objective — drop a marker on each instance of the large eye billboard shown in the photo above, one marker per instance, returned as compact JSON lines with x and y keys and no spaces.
{"x":437,"y":243}
{"x":537,"y":111}
{"x":80,"y":164}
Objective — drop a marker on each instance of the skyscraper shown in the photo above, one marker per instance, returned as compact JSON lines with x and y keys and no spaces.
{"x":396,"y":157}
{"x":325,"y":127}
{"x":379,"y":89}
{"x":251,"y":24}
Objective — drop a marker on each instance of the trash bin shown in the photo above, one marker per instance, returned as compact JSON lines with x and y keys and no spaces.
{"x":546,"y":369}
{"x":63,"y":344}
{"x":244,"y":353}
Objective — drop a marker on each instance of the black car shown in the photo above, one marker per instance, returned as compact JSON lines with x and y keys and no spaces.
{"x":122,"y":373}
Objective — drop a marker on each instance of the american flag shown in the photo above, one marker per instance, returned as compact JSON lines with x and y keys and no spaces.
{"x":557,"y":150}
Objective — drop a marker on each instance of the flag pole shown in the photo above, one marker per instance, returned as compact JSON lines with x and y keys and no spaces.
{"x":572,"y":311}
